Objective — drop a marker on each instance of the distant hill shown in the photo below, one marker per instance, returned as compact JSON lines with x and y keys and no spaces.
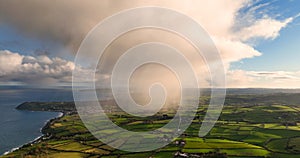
{"x":48,"y":106}
{"x":109,"y":105}
{"x":266,"y":99}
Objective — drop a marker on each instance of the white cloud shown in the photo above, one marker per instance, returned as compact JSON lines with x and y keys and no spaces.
{"x":34,"y":70}
{"x":266,"y":28}
{"x":263,"y":79}
{"x":234,"y":50}
{"x":9,"y":62}
{"x":41,"y":70}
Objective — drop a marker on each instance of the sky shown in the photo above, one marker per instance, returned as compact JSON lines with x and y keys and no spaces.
{"x":258,"y":40}
{"x":282,"y":53}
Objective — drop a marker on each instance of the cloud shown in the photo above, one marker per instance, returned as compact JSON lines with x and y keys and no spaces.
{"x":9,"y":62}
{"x":266,"y":28}
{"x":67,"y":22}
{"x":234,"y":50}
{"x":39,"y":70}
{"x":263,"y":79}
{"x":34,"y":70}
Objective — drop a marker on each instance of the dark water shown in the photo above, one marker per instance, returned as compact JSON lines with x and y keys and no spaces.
{"x":20,"y":127}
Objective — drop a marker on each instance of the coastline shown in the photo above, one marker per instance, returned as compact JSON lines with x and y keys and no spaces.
{"x":39,"y":138}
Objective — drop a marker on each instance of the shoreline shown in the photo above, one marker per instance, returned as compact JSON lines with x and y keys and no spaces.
{"x":39,"y":138}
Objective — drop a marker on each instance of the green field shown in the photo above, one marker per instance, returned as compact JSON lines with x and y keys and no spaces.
{"x":250,"y":126}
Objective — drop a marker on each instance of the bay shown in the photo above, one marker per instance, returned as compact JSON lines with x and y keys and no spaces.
{"x":20,"y":127}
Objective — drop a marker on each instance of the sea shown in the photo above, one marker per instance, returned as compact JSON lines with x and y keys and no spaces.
{"x":21,"y":127}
